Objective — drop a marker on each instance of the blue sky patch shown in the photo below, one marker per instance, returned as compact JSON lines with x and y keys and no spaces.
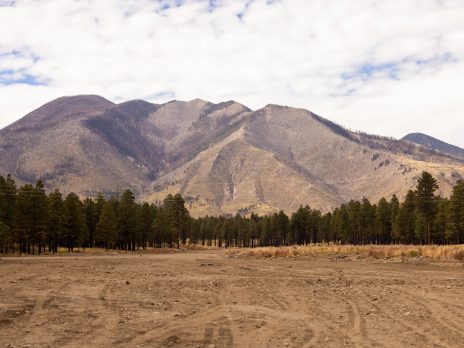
{"x":11,"y":77}
{"x":447,"y":57}
{"x":366,"y":71}
{"x":168,"y":4}
{"x":212,"y":5}
{"x":245,"y":9}
{"x":160,"y":95}
{"x":7,"y":3}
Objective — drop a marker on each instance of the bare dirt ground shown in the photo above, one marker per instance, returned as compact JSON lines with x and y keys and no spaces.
{"x":208,"y":299}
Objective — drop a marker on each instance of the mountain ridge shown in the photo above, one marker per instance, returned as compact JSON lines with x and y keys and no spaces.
{"x":434,"y":143}
{"x":224,"y":158}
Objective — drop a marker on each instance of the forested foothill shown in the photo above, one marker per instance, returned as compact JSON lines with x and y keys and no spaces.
{"x":33,"y":222}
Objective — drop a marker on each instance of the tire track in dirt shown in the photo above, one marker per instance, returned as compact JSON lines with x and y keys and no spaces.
{"x":36,"y":322}
{"x":207,"y":337}
{"x":54,"y":295}
{"x":312,"y":335}
{"x":395,"y":318}
{"x":186,"y":332}
{"x":287,"y":301}
{"x":315,"y":317}
{"x":268,"y":292}
{"x":107,"y":319}
{"x":47,"y":300}
{"x":97,"y":326}
{"x":262,"y":297}
{"x":437,"y":314}
{"x":360,"y":333}
{"x":456,"y":311}
{"x":209,"y":320}
{"x":226,"y":338}
{"x":391,"y":319}
{"x":226,"y":330}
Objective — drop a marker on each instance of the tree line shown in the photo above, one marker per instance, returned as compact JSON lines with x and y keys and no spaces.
{"x":33,"y":222}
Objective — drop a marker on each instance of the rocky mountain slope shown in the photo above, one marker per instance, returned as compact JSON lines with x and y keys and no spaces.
{"x":223,"y":158}
{"x":435,"y":144}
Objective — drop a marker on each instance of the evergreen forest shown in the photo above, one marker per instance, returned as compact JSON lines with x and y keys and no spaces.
{"x":34,"y":222}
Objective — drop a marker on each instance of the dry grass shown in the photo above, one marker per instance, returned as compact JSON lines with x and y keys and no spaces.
{"x":102,"y":251}
{"x":439,"y":252}
{"x":199,"y":247}
{"x":98,"y":251}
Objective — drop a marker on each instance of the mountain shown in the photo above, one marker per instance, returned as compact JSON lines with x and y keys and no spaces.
{"x":88,"y":144}
{"x":434,"y":144}
{"x":223,"y":158}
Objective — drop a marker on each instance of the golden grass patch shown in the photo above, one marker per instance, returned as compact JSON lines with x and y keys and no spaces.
{"x":441,"y":252}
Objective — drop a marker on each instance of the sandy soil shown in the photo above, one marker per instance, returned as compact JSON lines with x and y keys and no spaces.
{"x":207,"y":299}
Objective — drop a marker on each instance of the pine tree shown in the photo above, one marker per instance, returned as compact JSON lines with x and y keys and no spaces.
{"x":91,"y":220}
{"x":354,"y":221}
{"x":300,"y":224}
{"x":325,"y":230}
{"x":106,"y":233}
{"x":178,"y":218}
{"x":55,"y":220}
{"x":227,"y":227}
{"x":343,"y":224}
{"x":273,"y":230}
{"x":144,"y":221}
{"x":367,"y":221}
{"x":127,"y":220}
{"x":74,"y":225}
{"x":455,"y":215}
{"x":255,"y":230}
{"x":24,"y":217}
{"x":407,"y":218}
{"x":395,"y":225}
{"x":6,"y":238}
{"x":315,"y":226}
{"x":439,"y":223}
{"x":203,"y":230}
{"x":40,"y":216}
{"x":383,"y":222}
{"x":160,"y":229}
{"x":8,"y":192}
{"x":426,"y":202}
{"x":282,"y":227}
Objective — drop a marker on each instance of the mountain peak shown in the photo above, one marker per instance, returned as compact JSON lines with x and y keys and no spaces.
{"x":71,"y":104}
{"x":198,"y":100}
{"x":62,"y":108}
{"x":430,"y":142}
{"x":275,"y":106}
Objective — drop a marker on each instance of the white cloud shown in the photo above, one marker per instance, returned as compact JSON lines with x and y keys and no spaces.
{"x":387,"y":67}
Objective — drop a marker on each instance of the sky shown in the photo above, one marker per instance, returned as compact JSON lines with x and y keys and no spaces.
{"x":383,"y":67}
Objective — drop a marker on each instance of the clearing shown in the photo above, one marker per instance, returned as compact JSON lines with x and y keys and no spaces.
{"x":209,"y":299}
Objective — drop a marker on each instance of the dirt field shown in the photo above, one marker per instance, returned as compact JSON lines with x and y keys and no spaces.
{"x":208,"y":299}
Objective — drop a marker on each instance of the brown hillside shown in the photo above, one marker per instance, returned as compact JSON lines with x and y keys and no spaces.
{"x":224,"y":158}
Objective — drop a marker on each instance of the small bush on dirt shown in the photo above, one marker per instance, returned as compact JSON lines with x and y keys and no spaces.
{"x":459,"y":255}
